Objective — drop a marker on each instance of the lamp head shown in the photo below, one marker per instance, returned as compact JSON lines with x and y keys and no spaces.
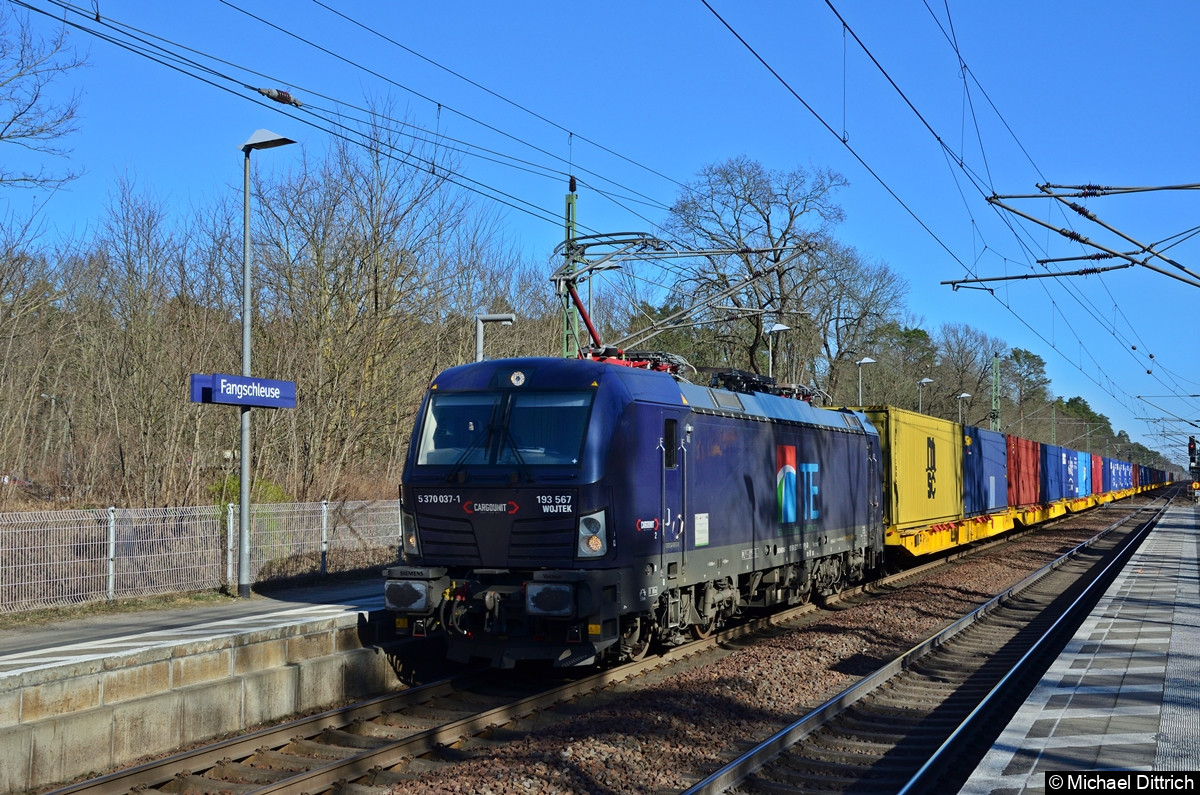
{"x":264,"y":139}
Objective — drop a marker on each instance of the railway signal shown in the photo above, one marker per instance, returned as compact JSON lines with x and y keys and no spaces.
{"x":1194,"y":469}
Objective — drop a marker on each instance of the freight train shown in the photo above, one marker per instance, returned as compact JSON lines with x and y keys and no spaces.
{"x":576,"y":511}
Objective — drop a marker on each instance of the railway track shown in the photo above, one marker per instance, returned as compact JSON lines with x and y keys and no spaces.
{"x":920,"y":723}
{"x":376,"y":744}
{"x":390,"y":740}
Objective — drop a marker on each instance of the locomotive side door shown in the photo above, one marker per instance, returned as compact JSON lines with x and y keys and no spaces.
{"x":672,"y":518}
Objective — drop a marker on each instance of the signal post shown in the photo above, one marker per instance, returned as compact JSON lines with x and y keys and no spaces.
{"x":1194,"y":469}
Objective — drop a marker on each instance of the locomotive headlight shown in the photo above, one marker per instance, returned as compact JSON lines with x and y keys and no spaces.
{"x":414,"y":590}
{"x":407,"y":595}
{"x":550,"y":599}
{"x":593,"y":537}
{"x":408,"y":534}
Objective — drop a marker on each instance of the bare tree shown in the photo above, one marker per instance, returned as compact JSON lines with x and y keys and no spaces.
{"x":965,"y":366}
{"x":30,"y":116}
{"x":1026,"y":383}
{"x":854,"y":300}
{"x":138,"y":334}
{"x":739,"y":204}
{"x":371,"y":279}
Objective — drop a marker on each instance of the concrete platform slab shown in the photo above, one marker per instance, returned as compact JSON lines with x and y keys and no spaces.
{"x":1125,"y":692}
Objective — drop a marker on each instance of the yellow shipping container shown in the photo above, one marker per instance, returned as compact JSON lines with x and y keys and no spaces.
{"x":922,"y":468}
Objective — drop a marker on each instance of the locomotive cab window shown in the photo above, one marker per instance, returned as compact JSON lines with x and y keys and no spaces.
{"x":545,"y":428}
{"x":456,"y":428}
{"x":504,"y":429}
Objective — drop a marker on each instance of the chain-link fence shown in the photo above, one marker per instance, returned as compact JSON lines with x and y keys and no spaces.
{"x":55,"y":558}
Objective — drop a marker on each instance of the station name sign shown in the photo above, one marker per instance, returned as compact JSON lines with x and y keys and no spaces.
{"x":241,"y":390}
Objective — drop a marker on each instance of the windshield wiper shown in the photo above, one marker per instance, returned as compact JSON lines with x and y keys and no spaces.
{"x":475,"y":443}
{"x":522,"y":467}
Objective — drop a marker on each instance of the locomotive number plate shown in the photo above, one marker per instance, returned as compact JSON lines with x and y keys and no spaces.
{"x":555,"y":503}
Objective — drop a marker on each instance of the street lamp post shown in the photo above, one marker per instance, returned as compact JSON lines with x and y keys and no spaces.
{"x":261,"y":139}
{"x":504,"y":320}
{"x":775,"y":327}
{"x":920,"y":389}
{"x":960,"y":399}
{"x":860,"y":363}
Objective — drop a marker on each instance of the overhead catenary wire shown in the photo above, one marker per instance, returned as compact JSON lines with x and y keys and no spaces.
{"x":1084,"y":190}
{"x":505,"y":99}
{"x":414,"y":92}
{"x":329,"y":119}
{"x":330,"y":126}
{"x":1084,"y":303}
{"x":971,"y":263}
{"x":874,"y":174}
{"x":138,"y":42}
{"x":1102,"y":381}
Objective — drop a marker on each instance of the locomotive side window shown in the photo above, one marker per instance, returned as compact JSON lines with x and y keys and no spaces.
{"x":456,"y":428}
{"x":671,"y":444}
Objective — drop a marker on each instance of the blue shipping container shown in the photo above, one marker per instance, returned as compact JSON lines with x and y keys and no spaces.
{"x":1084,"y":478}
{"x":1053,"y":483}
{"x":1070,"y":460}
{"x":1118,"y":475}
{"x":985,"y":471}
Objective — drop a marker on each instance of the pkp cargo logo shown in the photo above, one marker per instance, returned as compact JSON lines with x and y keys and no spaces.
{"x":795,"y":486}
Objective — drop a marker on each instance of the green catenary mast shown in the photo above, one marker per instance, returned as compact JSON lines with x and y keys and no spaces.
{"x":570,"y":344}
{"x":995,"y":391}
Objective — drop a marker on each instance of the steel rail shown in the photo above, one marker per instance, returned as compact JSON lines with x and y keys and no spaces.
{"x":755,"y":758}
{"x":157,"y":773}
{"x":1082,"y":605}
{"x":151,"y":773}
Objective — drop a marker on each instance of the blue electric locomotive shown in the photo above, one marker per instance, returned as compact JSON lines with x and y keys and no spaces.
{"x":575,"y":511}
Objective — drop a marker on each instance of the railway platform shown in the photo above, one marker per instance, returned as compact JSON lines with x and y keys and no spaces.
{"x":81,"y":695}
{"x":68,"y":640}
{"x":1124,"y":695}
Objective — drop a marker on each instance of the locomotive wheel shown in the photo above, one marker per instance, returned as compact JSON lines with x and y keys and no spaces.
{"x":635,"y":639}
{"x":839,"y":580}
{"x":703,"y":629}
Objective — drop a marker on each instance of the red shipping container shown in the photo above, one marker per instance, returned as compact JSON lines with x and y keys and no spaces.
{"x":1097,"y":474}
{"x":1024,"y":471}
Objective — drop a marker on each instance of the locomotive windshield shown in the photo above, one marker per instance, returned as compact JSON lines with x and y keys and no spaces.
{"x":504,"y":429}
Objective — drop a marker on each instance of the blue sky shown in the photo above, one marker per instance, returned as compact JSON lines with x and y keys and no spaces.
{"x":636,"y":97}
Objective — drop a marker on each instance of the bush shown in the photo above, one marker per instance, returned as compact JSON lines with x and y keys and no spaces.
{"x":229,"y":489}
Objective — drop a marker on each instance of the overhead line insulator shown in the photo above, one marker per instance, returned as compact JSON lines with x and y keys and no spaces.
{"x":280,"y":96}
{"x":1085,"y":212}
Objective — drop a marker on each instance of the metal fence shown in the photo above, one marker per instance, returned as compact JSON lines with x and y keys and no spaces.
{"x":56,"y":558}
